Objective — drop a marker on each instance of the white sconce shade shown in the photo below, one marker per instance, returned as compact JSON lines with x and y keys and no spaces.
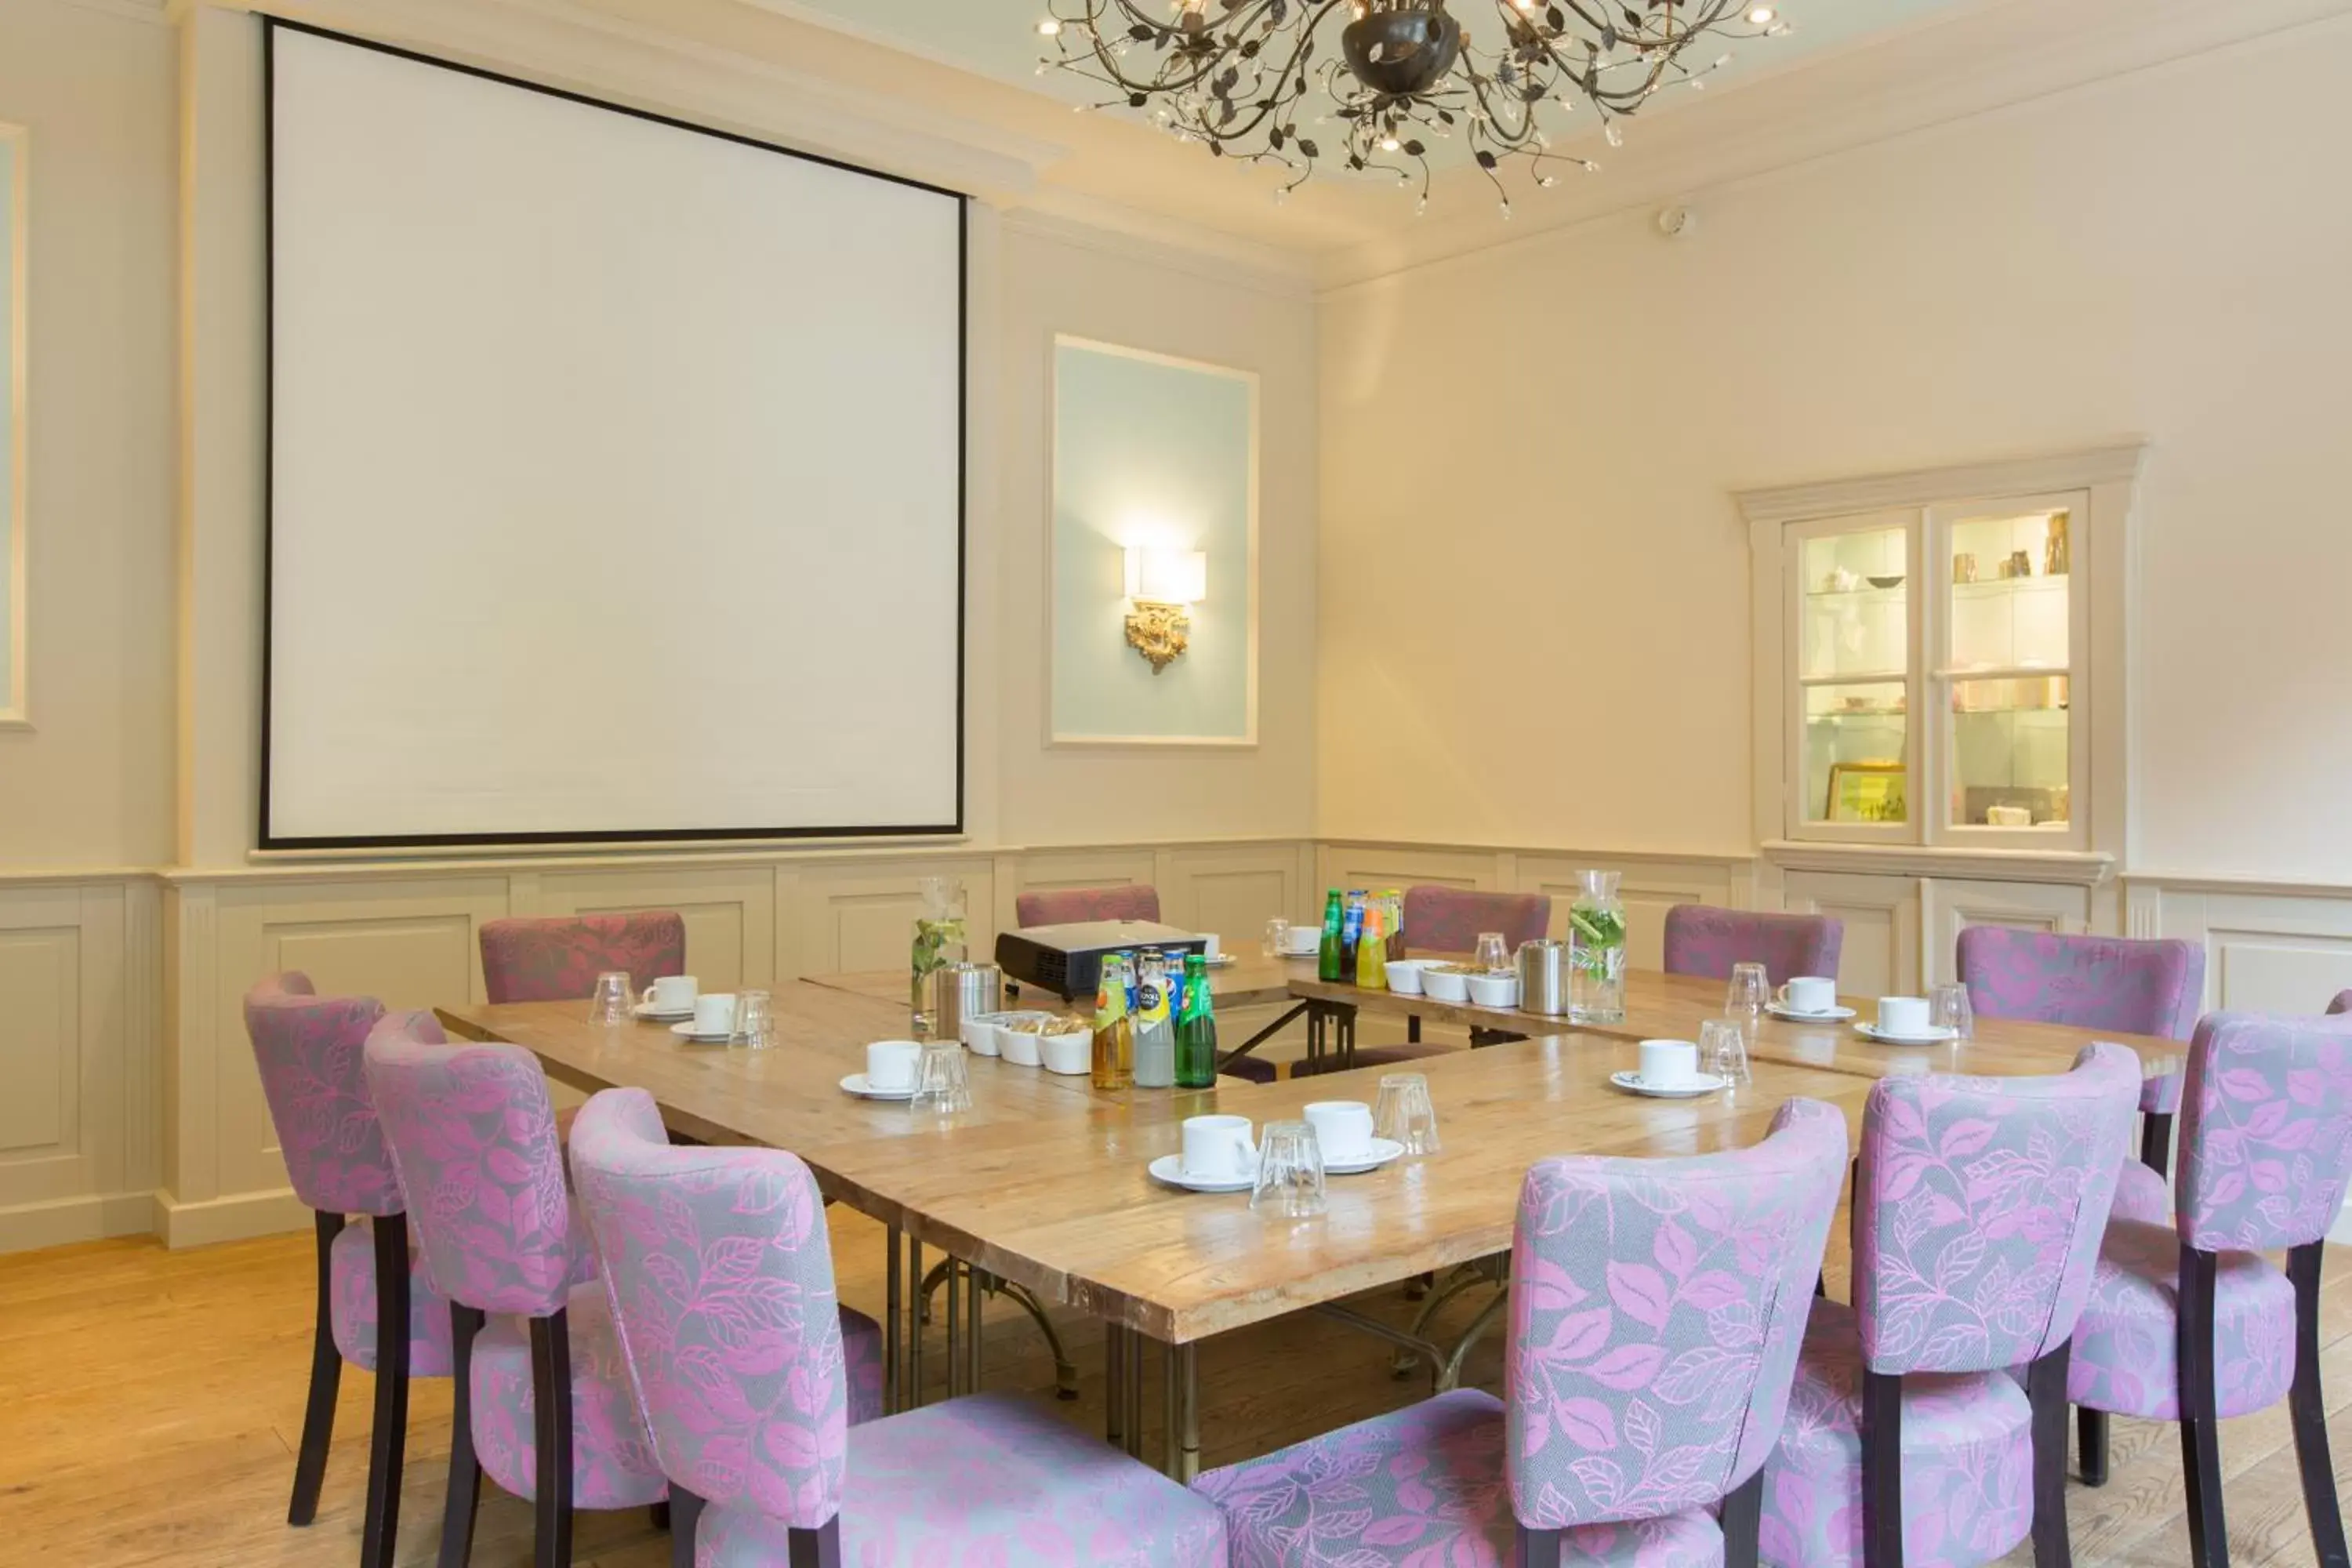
{"x":1167,"y":577}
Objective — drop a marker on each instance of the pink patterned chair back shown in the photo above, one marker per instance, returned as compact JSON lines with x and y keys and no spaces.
{"x":2265,"y":1132}
{"x":2136,"y":988}
{"x":473,"y":1133}
{"x":308,"y":1049}
{"x":1706,"y":941}
{"x":1979,"y":1204}
{"x":1657,"y":1307}
{"x":558,"y":960}
{"x":721,"y":1271}
{"x":1077,"y":906}
{"x":1449,"y":920}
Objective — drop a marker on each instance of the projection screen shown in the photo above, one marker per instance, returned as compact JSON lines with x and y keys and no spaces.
{"x":615,"y":472}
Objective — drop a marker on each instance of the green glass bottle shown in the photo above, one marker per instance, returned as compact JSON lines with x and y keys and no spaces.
{"x":1196,"y":1032}
{"x":1329,"y":957}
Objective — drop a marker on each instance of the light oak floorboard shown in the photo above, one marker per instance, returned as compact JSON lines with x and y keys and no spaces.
{"x":153,"y":1400}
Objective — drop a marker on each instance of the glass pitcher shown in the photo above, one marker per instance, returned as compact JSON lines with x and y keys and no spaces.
{"x":1596,"y":941}
{"x":939,"y":941}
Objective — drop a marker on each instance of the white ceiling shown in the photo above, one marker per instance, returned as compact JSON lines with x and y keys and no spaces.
{"x":999,"y":38}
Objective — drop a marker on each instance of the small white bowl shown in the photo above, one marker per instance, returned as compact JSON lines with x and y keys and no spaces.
{"x":979,"y":1033}
{"x":1071,"y":1054}
{"x":1439,"y":986}
{"x":1404,"y":976}
{"x":1495,"y":990}
{"x":1016,"y":1046}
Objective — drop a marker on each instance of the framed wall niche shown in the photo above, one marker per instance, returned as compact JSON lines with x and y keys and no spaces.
{"x":15,"y":713}
{"x":1156,"y":454}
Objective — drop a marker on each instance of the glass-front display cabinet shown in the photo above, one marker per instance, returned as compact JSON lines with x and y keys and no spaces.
{"x":1925,"y":669}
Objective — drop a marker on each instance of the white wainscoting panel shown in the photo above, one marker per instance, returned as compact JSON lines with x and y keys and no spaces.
{"x":1880,"y":953}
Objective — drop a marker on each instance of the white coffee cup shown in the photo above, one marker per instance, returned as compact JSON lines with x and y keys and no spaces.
{"x":714,"y":1014}
{"x":890,"y":1064}
{"x":1218,"y":1148}
{"x":1809,"y":993}
{"x":1209,"y":947}
{"x":1668,"y":1064}
{"x":1343,"y":1129}
{"x":671,"y":994}
{"x":1902,"y":1016}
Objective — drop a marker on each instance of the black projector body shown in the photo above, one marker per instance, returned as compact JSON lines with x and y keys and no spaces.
{"x":1068,"y":960}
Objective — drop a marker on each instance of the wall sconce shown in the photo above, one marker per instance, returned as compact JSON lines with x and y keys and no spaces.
{"x":1161,"y":584}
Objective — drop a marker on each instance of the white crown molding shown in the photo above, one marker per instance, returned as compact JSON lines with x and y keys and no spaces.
{"x":153,"y":12}
{"x":1132,"y":234}
{"x":580,"y":49}
{"x":1981,"y":61}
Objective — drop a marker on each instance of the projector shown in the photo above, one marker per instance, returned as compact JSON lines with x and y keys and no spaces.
{"x":1068,"y":960}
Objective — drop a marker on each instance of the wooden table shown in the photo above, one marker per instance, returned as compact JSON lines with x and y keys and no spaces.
{"x":1042,"y":1183}
{"x":1672,"y":1007}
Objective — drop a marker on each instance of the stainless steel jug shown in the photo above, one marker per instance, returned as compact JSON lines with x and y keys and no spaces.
{"x":962,"y":990}
{"x":1543,"y":976}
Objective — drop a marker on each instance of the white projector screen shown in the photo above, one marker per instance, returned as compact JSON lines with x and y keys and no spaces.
{"x":616,"y":481}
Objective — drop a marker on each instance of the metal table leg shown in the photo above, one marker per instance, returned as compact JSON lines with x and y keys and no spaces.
{"x":1181,"y":1447}
{"x":955,"y":1351}
{"x":914,"y":1330}
{"x":892,"y":1270}
{"x":973,"y":1325}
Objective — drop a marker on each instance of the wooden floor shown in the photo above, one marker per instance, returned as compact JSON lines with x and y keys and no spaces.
{"x":149,"y":1403}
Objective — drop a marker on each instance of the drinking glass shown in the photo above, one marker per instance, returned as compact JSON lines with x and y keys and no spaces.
{"x":614,"y":999}
{"x":1277,"y":937}
{"x":1491,"y":953}
{"x":1744,"y":999}
{"x":1722,"y":1051}
{"x":1948,"y":1008}
{"x":1405,"y":1114}
{"x":942,"y":1086}
{"x":755,"y":1020}
{"x":1289,"y":1171}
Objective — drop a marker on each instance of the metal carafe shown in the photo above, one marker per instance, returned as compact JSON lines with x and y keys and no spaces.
{"x":962,"y":990}
{"x":1543,"y":976}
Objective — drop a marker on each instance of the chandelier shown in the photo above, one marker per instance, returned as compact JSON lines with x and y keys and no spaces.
{"x":1237,"y":74}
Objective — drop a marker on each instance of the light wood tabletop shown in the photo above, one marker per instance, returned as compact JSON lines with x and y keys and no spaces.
{"x":1672,"y":1007}
{"x":1068,"y":1208}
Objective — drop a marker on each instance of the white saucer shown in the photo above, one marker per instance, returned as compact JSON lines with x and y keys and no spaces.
{"x":855,"y":1084}
{"x":1835,"y":1015}
{"x":1631,"y":1082}
{"x":1384,"y":1149}
{"x":686,"y":1032}
{"x":1939,"y":1035}
{"x":1169,"y":1169}
{"x":645,"y":1012}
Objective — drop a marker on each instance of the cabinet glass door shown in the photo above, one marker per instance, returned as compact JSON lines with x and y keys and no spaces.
{"x":2008,"y":675}
{"x":1853,"y":659}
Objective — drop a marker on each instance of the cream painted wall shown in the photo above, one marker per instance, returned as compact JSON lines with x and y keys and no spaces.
{"x":1061,"y":278}
{"x":1528,"y":456}
{"x":91,"y":784}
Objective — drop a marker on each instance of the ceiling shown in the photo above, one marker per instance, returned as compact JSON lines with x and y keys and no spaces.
{"x":999,"y":38}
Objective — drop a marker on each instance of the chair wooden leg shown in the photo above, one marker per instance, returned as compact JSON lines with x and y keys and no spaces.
{"x":1538,"y":1548}
{"x":2310,"y":1413}
{"x":465,"y":1492}
{"x":2045,"y":1386}
{"x":2090,"y":1444}
{"x":1743,"y":1523}
{"x":550,"y":1373}
{"x":818,"y":1547}
{"x":684,"y":1518}
{"x":2155,"y":1143}
{"x":379,"y":1527}
{"x":326,"y":1384}
{"x":1881,"y":1470}
{"x":2200,"y":1448}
